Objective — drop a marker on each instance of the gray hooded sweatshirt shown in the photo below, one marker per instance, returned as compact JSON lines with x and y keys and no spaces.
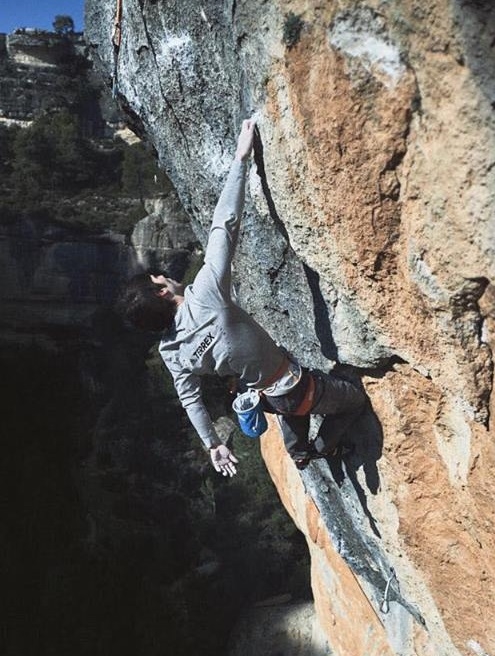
{"x":211,"y":334}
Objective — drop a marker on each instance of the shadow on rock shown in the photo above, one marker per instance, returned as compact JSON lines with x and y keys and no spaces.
{"x":360,"y":442}
{"x":476,"y":20}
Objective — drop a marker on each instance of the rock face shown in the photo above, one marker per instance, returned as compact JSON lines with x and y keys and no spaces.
{"x":55,"y":277}
{"x":288,"y":629}
{"x":163,"y":240}
{"x":41,"y":72}
{"x":369,"y":241}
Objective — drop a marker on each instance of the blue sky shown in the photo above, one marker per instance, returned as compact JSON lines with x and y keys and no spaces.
{"x":38,"y":13}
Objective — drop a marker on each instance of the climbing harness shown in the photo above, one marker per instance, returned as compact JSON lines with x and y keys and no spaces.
{"x":116,"y":40}
{"x":307,"y":401}
{"x":384,"y":606}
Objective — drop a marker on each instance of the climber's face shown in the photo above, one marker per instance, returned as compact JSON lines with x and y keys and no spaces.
{"x":169,"y":287}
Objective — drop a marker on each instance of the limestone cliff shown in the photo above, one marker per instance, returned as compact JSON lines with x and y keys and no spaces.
{"x":369,"y":241}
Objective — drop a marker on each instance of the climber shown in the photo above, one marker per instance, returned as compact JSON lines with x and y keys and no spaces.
{"x":206,"y":332}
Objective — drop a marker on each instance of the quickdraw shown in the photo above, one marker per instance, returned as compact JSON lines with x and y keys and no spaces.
{"x":116,"y":40}
{"x":385,"y":606}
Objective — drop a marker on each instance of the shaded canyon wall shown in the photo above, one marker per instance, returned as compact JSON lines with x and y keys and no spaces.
{"x":369,"y":241}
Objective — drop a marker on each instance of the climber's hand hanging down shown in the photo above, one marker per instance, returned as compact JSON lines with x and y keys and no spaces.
{"x":245,"y":140}
{"x":223,"y":460}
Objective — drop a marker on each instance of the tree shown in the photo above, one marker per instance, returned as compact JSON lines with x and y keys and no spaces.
{"x":50,"y":157}
{"x":63,"y":25}
{"x":141,"y":175}
{"x":7,"y":137}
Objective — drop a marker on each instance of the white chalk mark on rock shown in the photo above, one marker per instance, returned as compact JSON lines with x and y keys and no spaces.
{"x":362,"y":36}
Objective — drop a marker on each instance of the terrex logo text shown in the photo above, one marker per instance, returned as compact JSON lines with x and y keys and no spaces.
{"x":203,"y":346}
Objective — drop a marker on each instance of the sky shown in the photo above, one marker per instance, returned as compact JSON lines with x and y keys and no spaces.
{"x":39,"y":13}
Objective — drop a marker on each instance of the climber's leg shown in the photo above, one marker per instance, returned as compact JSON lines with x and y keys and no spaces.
{"x":335,"y":395}
{"x":341,"y":401}
{"x":294,"y":428}
{"x":295,"y":433}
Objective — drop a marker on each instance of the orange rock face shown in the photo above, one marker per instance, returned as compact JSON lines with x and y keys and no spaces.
{"x":441,"y":549}
{"x":340,"y":602}
{"x":395,"y":183}
{"x":389,"y":190}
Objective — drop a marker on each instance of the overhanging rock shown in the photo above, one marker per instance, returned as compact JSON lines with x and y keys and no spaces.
{"x":369,"y":240}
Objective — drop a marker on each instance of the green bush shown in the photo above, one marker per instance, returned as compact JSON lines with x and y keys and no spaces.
{"x":50,"y":156}
{"x":141,"y":176}
{"x":63,"y":24}
{"x":50,"y":169}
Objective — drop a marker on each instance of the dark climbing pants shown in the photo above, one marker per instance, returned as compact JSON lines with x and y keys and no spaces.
{"x":340,"y":400}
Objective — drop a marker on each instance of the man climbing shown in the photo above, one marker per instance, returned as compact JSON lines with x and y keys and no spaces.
{"x":206,"y":332}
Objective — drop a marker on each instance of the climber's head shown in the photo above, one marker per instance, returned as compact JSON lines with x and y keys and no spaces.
{"x":150,"y":302}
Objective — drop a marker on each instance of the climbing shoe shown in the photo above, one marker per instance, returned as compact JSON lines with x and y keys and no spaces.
{"x":303,"y":461}
{"x":341,"y":451}
{"x":338,"y":453}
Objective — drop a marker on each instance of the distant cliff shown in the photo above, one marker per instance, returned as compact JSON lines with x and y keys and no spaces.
{"x":72,"y":190}
{"x":39,"y":73}
{"x":369,"y":240}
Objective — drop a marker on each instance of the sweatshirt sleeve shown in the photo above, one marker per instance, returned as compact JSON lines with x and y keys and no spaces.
{"x":224,"y":233}
{"x":189,"y":392}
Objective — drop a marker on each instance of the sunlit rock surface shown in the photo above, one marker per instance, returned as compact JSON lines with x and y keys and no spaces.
{"x":369,"y":240}
{"x":286,"y":628}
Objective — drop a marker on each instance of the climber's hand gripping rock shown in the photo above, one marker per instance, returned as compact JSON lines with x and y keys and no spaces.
{"x":245,"y":140}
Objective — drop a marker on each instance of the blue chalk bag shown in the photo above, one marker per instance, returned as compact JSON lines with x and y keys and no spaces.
{"x":249,"y":414}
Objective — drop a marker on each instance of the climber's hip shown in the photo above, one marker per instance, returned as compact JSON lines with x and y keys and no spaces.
{"x":316,"y":393}
{"x":298,"y":401}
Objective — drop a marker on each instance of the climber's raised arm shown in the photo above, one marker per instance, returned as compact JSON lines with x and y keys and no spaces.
{"x":224,"y":229}
{"x":245,"y":140}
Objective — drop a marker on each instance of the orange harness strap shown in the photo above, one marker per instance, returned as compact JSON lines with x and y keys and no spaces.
{"x":278,"y":374}
{"x":307,"y":403}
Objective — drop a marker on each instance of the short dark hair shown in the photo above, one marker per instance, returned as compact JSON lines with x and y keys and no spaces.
{"x":143,"y":307}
